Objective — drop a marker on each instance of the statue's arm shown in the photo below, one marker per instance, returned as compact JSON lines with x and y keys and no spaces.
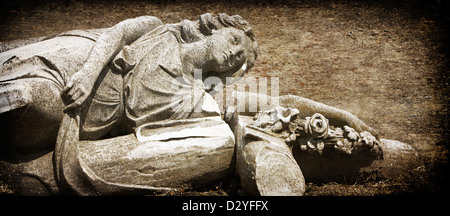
{"x":307,"y":108}
{"x":336,"y":116}
{"x":106,"y":47}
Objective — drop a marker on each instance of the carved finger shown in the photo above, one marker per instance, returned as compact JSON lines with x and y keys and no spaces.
{"x":69,"y":107}
{"x":77,"y":95}
{"x":65,"y":91}
{"x":72,"y":106}
{"x":67,"y":88}
{"x":72,"y":93}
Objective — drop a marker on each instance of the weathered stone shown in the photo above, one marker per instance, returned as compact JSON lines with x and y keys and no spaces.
{"x":324,"y":165}
{"x":265,"y":163}
{"x":31,"y":177}
{"x":192,"y":153}
{"x":81,"y":87}
{"x":398,"y":158}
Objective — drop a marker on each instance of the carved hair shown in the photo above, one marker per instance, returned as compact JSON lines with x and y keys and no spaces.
{"x":208,"y":23}
{"x":188,"y":31}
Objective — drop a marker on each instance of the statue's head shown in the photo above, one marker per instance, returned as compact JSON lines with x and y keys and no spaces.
{"x":231,"y":50}
{"x":232,"y":43}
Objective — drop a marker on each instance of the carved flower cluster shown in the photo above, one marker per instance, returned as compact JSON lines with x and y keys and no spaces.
{"x":275,"y":119}
{"x":354,"y":141}
{"x":345,"y":140}
{"x":279,"y":120}
{"x":315,"y":131}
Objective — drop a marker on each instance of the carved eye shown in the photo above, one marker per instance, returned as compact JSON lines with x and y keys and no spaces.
{"x":235,"y":40}
{"x":238,"y":56}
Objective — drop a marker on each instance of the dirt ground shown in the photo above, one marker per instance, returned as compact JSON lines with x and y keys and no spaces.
{"x":384,"y":61}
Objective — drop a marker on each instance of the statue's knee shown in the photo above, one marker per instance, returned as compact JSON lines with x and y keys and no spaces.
{"x":35,"y":125}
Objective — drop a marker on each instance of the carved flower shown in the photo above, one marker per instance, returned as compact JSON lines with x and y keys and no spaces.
{"x":276,"y":119}
{"x":367,"y":139}
{"x":278,"y":126}
{"x":303,"y":147}
{"x":344,"y":146}
{"x":285,"y":114}
{"x":317,"y":126}
{"x":316,"y":145}
{"x":351,"y":133}
{"x":291,"y":138}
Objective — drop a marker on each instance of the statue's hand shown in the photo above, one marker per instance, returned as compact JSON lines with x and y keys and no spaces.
{"x":359,"y":126}
{"x":77,"y":90}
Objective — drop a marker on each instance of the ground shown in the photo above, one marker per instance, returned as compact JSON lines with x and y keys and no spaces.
{"x":386,"y":62}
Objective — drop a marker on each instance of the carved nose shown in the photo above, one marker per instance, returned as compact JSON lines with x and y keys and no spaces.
{"x":232,"y":56}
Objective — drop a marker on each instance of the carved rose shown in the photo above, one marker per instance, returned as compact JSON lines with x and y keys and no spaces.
{"x":317,"y":126}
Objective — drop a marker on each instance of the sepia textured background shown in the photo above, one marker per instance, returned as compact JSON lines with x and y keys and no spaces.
{"x":384,"y":61}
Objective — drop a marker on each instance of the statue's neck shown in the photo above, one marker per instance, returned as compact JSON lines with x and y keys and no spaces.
{"x":194,"y":56}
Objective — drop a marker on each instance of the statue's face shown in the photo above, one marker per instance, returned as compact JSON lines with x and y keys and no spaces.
{"x":228,"y":49}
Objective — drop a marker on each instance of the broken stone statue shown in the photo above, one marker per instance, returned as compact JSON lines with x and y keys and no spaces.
{"x":119,"y":111}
